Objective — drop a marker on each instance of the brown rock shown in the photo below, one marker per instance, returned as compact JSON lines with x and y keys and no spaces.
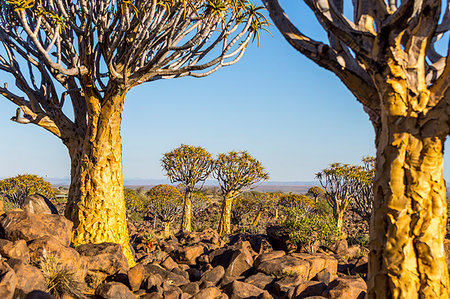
{"x":27,"y":226}
{"x":260,"y":280}
{"x":38,"y":204}
{"x":241,"y":290}
{"x":282,"y":286}
{"x":39,"y":295}
{"x":325,"y":276}
{"x":194,"y":274}
{"x":235,"y":259}
{"x":318,"y":262}
{"x":353,"y":251}
{"x":308,"y":289}
{"x":340,"y":247}
{"x":104,"y":257}
{"x":346,"y":287}
{"x":189,"y":254}
{"x":180,"y":272}
{"x":191,"y":288}
{"x":68,"y":257}
{"x":213,"y":276}
{"x":208,"y":293}
{"x":17,"y":249}
{"x":29,"y":278}
{"x":285,"y":265}
{"x":135,"y":277}
{"x":268,"y":256}
{"x":8,"y":281}
{"x":361,"y":266}
{"x":169,"y":264}
{"x":175,"y":279}
{"x":152,"y":282}
{"x":113,"y":290}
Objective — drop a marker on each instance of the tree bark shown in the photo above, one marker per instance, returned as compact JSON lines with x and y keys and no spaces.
{"x":408,"y":224}
{"x":225,"y":217}
{"x":96,"y":202}
{"x":258,"y":217}
{"x":187,"y":211}
{"x":166,"y":229}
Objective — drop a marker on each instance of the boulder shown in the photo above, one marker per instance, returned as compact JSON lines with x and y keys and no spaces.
{"x":8,"y":281}
{"x":106,"y":258}
{"x":114,"y":290}
{"x":260,"y":280}
{"x":308,"y":289}
{"x":135,"y":277}
{"x":68,"y":258}
{"x":174,"y":279}
{"x":213,"y":276}
{"x":29,"y":278}
{"x":189,"y":254}
{"x":152,"y":282}
{"x":241,"y":290}
{"x":285,"y":265}
{"x":191,"y":288}
{"x":340,"y":247}
{"x":38,"y":204}
{"x":325,"y":276}
{"x":39,"y":295}
{"x":17,"y":225}
{"x":318,"y":262}
{"x":346,"y":287}
{"x":208,"y":293}
{"x":17,"y":249}
{"x":268,"y":256}
{"x":169,"y":264}
{"x":361,"y":266}
{"x":282,"y":286}
{"x":279,"y":240}
{"x":236,"y":260}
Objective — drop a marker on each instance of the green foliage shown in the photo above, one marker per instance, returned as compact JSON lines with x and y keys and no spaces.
{"x":15,"y":189}
{"x":361,"y":239}
{"x":59,"y":280}
{"x":316,"y":192}
{"x":309,"y":229}
{"x":300,"y":201}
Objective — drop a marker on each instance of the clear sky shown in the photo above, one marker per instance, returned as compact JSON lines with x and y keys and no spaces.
{"x":292,"y":115}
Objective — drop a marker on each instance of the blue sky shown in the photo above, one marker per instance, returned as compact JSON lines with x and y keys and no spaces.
{"x":292,"y":115}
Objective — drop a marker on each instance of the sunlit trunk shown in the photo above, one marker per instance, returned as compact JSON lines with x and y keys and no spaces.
{"x":225,"y":217}
{"x":166,"y":229}
{"x":408,"y":225}
{"x":96,"y":202}
{"x":187,"y":211}
{"x":257,"y":218}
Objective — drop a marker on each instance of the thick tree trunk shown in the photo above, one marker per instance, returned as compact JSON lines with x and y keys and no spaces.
{"x":96,"y":202}
{"x":187,"y":211}
{"x":166,"y":229}
{"x":225,"y":218}
{"x":408,"y":225}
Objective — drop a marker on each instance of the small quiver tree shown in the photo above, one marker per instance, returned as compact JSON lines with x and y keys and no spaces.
{"x":236,"y":172}
{"x":187,"y":165}
{"x":73,"y":63}
{"x":165,"y":203}
{"x":362,"y":202}
{"x":14,"y":190}
{"x":316,"y":192}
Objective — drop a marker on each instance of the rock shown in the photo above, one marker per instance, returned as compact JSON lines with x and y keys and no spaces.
{"x":135,"y":277}
{"x":8,"y":281}
{"x":113,"y":290}
{"x":268,"y":256}
{"x":194,"y":274}
{"x":318,"y":262}
{"x":38,"y":204}
{"x":241,"y":290}
{"x":361,"y":266}
{"x":189,"y":254}
{"x":340,"y":247}
{"x":17,"y":250}
{"x":346,"y":287}
{"x":260,"y":280}
{"x":213,"y":276}
{"x":180,"y":272}
{"x":285,"y":265}
{"x":39,"y":295}
{"x":68,"y":258}
{"x":29,"y":278}
{"x":27,"y":226}
{"x":308,"y":289}
{"x":208,"y":293}
{"x":153,"y":295}
{"x":104,"y":257}
{"x":152,"y":282}
{"x":169,"y":264}
{"x":325,"y":276}
{"x":260,"y":244}
{"x":191,"y":288}
{"x":353,"y":251}
{"x":235,"y":259}
{"x":279,"y":240}
{"x":175,"y":279}
{"x":282,"y":286}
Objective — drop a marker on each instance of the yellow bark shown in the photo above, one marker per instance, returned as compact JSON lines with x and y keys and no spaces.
{"x":166,"y":229}
{"x":257,"y":218}
{"x":96,"y":202}
{"x":187,"y":212}
{"x":225,"y":217}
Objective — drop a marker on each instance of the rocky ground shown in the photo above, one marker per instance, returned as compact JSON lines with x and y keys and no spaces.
{"x":36,"y":255}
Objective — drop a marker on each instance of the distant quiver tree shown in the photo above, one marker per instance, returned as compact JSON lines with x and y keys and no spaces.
{"x":236,"y":172}
{"x":84,"y":56}
{"x":187,"y":165}
{"x":387,"y":53}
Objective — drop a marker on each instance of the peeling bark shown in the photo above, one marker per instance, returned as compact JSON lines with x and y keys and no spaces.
{"x":225,"y":217}
{"x":187,"y":212}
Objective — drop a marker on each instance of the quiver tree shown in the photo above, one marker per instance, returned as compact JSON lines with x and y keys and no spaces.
{"x":187,"y":165}
{"x":386,"y":54}
{"x":85,"y":56}
{"x":165,"y":204}
{"x":15,"y":189}
{"x":362,"y":202}
{"x":316,"y":192}
{"x":236,"y":172}
{"x":340,"y":184}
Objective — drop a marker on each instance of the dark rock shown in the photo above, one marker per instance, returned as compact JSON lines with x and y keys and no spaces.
{"x":208,"y":293}
{"x":282,"y":286}
{"x":340,"y":247}
{"x":268,"y":256}
{"x":241,"y":290}
{"x":29,"y":278}
{"x":308,"y":289}
{"x":152,"y":282}
{"x":213,"y":276}
{"x":180,"y":272}
{"x":175,"y":279}
{"x":39,"y":295}
{"x":107,"y":258}
{"x":279,"y":240}
{"x":38,"y":204}
{"x":17,"y":225}
{"x":114,"y":290}
{"x":235,"y":259}
{"x":346,"y":287}
{"x":8,"y":281}
{"x":361,"y":266}
{"x":260,"y":280}
{"x":17,"y":249}
{"x":194,"y":274}
{"x":188,"y":255}
{"x":325,"y":276}
{"x":285,"y":265}
{"x":190,"y":288}
{"x":169,"y":264}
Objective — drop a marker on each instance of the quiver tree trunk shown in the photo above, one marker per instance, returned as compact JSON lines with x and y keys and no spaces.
{"x":408,"y":225}
{"x":225,"y":217}
{"x":166,"y":229}
{"x":258,"y":217}
{"x":187,"y":211}
{"x":96,"y":202}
